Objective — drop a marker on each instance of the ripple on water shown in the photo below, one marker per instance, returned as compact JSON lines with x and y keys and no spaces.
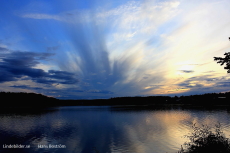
{"x":81,"y":129}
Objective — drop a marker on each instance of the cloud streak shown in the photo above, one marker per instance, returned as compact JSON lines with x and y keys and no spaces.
{"x":125,"y":48}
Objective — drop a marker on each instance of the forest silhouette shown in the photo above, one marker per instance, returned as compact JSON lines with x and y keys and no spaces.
{"x":20,"y":99}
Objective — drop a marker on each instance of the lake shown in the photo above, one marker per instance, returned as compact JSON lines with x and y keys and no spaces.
{"x":104,"y":129}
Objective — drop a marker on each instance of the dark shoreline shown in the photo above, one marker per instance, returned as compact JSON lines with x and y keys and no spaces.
{"x":30,"y":100}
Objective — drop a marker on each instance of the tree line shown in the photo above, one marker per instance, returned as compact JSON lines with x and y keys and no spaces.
{"x":21,"y":99}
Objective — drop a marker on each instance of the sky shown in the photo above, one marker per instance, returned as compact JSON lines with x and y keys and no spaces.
{"x":90,"y":49}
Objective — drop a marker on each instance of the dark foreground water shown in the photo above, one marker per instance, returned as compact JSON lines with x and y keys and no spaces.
{"x":88,"y":129}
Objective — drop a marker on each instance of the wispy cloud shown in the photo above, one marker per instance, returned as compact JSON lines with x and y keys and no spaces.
{"x":134,"y":48}
{"x":42,"y":16}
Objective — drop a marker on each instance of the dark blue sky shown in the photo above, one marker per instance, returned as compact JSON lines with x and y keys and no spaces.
{"x":101,"y":49}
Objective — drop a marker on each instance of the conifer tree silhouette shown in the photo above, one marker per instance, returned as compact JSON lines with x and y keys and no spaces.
{"x":224,"y":60}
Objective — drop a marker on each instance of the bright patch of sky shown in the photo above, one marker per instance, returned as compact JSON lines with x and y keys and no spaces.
{"x":107,"y":48}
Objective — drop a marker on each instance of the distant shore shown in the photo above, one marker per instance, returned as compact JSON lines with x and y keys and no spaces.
{"x":33,"y":100}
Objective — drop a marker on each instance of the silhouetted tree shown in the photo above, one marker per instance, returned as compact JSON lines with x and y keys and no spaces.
{"x":204,"y":140}
{"x":224,"y":60}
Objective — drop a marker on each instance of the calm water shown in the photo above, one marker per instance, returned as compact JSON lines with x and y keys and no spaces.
{"x":88,"y":129}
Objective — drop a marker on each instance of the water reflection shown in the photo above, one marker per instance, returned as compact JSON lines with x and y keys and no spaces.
{"x":91,"y":129}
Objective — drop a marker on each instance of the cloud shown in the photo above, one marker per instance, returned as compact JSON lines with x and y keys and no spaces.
{"x":100,"y":91}
{"x":53,"y":48}
{"x":6,"y":76}
{"x":41,"y":16}
{"x":223,"y":84}
{"x":142,"y":38}
{"x":122,"y":63}
{"x":186,"y":71}
{"x":204,"y":84}
{"x":57,"y":77}
{"x":18,"y":64}
{"x":26,"y":87}
{"x":124,"y":49}
{"x":3,"y":49}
